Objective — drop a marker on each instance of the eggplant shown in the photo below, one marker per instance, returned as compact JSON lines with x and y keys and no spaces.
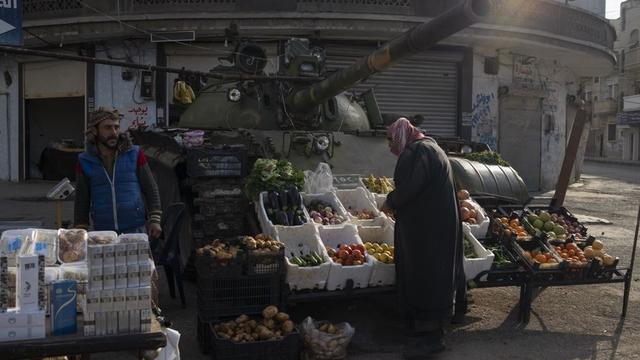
{"x":295,"y":196}
{"x":282,"y":218}
{"x":284,"y":200}
{"x":290,"y":217}
{"x":274,"y":201}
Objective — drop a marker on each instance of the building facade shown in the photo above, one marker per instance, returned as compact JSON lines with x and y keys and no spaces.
{"x":615,"y":128}
{"x":510,"y":81}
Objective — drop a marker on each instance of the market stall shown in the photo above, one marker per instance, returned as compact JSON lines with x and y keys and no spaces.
{"x":70,"y":291}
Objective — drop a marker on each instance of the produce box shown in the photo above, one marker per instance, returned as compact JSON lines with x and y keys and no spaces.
{"x":314,"y":202}
{"x":301,"y":240}
{"x":46,"y":243}
{"x":359,"y":206}
{"x":380,"y":232}
{"x":505,"y":267}
{"x":72,"y":245}
{"x":229,"y":296}
{"x":287,"y":348}
{"x":230,"y":161}
{"x":334,"y":236}
{"x":531,"y":253}
{"x":268,"y":227}
{"x":476,"y":258}
{"x":221,"y":201}
{"x":473,"y":215}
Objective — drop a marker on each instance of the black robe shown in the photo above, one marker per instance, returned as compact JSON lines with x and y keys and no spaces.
{"x":428,"y":240}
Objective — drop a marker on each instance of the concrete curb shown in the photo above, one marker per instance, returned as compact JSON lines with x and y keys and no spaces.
{"x":612,"y":161}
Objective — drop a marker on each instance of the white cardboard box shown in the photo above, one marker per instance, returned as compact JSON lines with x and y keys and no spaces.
{"x":121,"y":254}
{"x":95,"y":256}
{"x":89,"y":323}
{"x":106,"y":300}
{"x":132,"y":299}
{"x":144,"y":252}
{"x":112,"y":323}
{"x":109,"y":277}
{"x":123,"y":322}
{"x":121,"y":277}
{"x":93,"y":301}
{"x":145,"y":273}
{"x":144,"y":298}
{"x":132,"y":253}
{"x":109,"y":252}
{"x":95,"y":278}
{"x":133,"y":278}
{"x":134,"y":321}
{"x":119,"y":299}
{"x":145,"y":320}
{"x":101,"y":323}
{"x":27,"y":283}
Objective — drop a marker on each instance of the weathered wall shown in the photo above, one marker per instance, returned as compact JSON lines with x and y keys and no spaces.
{"x":551,"y":81}
{"x":124,"y":95}
{"x":9,"y":120}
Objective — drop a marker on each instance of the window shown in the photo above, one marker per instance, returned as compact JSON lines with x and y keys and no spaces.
{"x":612,"y":91}
{"x":596,"y":79}
{"x":611,"y":132}
{"x":587,"y":96}
{"x":633,"y":39}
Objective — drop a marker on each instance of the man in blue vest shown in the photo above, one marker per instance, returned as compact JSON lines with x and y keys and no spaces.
{"x":114,"y":184}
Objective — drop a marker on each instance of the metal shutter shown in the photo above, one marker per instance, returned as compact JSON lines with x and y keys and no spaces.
{"x":424,"y":84}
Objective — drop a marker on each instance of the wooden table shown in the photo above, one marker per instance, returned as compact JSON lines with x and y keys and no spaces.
{"x":81,"y":345}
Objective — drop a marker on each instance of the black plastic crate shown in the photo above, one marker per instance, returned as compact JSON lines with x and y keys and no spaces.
{"x":265,"y":263}
{"x":207,"y":267}
{"x":286,"y":349}
{"x":221,"y":205}
{"x":229,"y":161}
{"x":203,"y":335}
{"x":231,"y":296}
{"x":219,"y":226}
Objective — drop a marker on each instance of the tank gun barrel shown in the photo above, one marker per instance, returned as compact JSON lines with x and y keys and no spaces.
{"x":413,"y":41}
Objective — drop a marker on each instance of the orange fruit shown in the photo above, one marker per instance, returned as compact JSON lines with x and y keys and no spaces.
{"x":541,"y":258}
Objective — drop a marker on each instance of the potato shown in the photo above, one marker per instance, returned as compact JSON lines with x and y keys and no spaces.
{"x":287,"y":327}
{"x":269,"y":312}
{"x":269,"y":323}
{"x":324,"y":327}
{"x":265,"y":334}
{"x":242,"y":318}
{"x":282,"y":317}
{"x":331,"y":329}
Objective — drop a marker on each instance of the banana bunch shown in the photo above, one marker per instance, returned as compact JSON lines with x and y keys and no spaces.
{"x":379,"y":185}
{"x":183,"y":93}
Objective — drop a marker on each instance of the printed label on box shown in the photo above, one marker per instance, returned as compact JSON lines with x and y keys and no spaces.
{"x":106,"y":300}
{"x":93,"y":300}
{"x":132,"y":299}
{"x":108,"y":277}
{"x":119,"y":299}
{"x":95,"y":278}
{"x":121,"y":254}
{"x":64,"y":297}
{"x":132,"y":253}
{"x":145,"y":274}
{"x":28,"y":283}
{"x":144,"y":252}
{"x":109,"y":253}
{"x":133,"y":280}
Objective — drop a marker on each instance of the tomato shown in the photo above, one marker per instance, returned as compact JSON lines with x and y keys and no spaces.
{"x":344,"y":247}
{"x":572,"y":246}
{"x":571,"y":252}
{"x":342,"y":254}
{"x":541,"y":258}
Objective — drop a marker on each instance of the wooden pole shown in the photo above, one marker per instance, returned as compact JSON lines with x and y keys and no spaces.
{"x":59,"y":213}
{"x":570,"y":155}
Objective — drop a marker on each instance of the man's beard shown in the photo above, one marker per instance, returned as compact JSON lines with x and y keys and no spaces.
{"x":105,"y":142}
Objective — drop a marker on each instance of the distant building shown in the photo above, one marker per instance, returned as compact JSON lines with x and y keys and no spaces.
{"x":594,"y":6}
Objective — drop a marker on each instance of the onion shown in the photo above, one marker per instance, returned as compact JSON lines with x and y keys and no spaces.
{"x":464,"y":213}
{"x":463,"y":195}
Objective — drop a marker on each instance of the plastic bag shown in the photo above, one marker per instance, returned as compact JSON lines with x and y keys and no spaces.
{"x":319,"y":181}
{"x":323,"y":345}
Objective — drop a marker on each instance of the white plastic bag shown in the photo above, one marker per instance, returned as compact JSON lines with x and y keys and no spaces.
{"x":172,"y":350}
{"x":323,"y":345}
{"x":319,"y":181}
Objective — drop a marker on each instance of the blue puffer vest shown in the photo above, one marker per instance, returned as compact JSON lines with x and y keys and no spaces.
{"x":123,"y":192}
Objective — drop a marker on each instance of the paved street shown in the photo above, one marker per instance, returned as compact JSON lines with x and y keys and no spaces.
{"x":567,"y":323}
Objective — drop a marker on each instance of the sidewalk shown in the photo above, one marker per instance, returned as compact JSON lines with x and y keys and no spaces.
{"x":612,"y":161}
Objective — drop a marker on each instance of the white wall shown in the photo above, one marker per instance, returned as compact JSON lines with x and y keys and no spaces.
{"x":9,"y":121}
{"x":114,"y":92}
{"x":594,"y":6}
{"x":557,"y":81}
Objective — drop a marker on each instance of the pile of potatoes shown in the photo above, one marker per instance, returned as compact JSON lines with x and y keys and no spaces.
{"x":325,"y":340}
{"x":274,"y":325}
{"x":219,"y":251}
{"x":262,"y":243}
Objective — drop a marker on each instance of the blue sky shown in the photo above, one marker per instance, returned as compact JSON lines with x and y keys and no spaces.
{"x":613,"y":9}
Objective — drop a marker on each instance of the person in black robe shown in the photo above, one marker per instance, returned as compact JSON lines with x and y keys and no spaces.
{"x":428,"y":240}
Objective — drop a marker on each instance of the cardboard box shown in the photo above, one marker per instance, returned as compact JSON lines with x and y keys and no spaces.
{"x":37,"y":332}
{"x":145,"y":320}
{"x":89,"y":323}
{"x":64,"y":297}
{"x":133,"y":279}
{"x":121,"y":254}
{"x":28,"y":283}
{"x":122,"y":275}
{"x":108,"y":277}
{"x":112,"y":323}
{"x":106,"y":300}
{"x":95,"y":278}
{"x":145,"y":273}
{"x":43,"y":299}
{"x":123,"y":322}
{"x":95,"y":256}
{"x":144,"y":298}
{"x":134,"y":321}
{"x":119,"y":299}
{"x":101,"y":323}
{"x":14,"y":334}
{"x":93,"y":301}
{"x":132,"y":253}
{"x":132,"y":299}
{"x":13,"y":318}
{"x":144,"y":252}
{"x":109,"y":255}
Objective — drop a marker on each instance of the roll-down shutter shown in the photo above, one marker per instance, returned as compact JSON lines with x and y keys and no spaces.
{"x":424,"y":84}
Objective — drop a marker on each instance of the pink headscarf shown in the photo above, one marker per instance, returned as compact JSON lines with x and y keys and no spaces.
{"x":401,"y":133}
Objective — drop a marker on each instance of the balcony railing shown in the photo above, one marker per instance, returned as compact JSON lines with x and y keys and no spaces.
{"x":608,"y":106}
{"x":545,"y":16}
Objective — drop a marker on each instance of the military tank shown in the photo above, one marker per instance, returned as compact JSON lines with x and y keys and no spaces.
{"x":302,"y":114}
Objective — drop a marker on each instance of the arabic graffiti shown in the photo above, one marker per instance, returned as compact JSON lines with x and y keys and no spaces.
{"x":483,"y":118}
{"x":139,"y":116}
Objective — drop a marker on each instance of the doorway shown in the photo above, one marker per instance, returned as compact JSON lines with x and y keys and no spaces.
{"x":48,"y":121}
{"x":520,"y":137}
